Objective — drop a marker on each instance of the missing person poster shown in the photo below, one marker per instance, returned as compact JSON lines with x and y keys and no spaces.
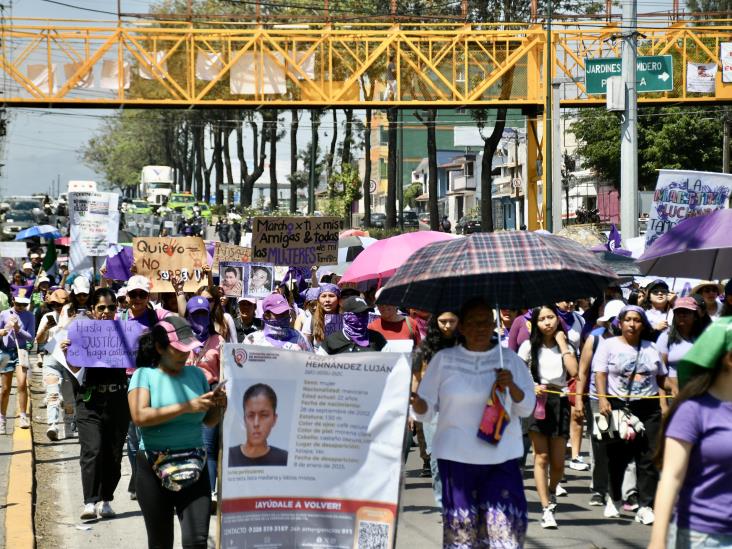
{"x":312,"y":448}
{"x":161,"y":258}
{"x":260,"y":280}
{"x":725,"y":58}
{"x":682,"y":193}
{"x":296,"y":241}
{"x":94,"y":220}
{"x":231,"y":278}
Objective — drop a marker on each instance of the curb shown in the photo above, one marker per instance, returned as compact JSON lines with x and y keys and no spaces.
{"x":19,"y":519}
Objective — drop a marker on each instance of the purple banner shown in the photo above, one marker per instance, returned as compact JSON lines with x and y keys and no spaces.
{"x":103,"y":343}
{"x":118,"y":266}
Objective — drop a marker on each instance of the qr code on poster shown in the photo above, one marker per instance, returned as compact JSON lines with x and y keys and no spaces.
{"x":373,"y":535}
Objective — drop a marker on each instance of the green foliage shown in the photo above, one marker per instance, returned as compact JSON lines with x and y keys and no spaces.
{"x":380,"y":234}
{"x":411,"y":193}
{"x":344,"y":188}
{"x":668,"y":137}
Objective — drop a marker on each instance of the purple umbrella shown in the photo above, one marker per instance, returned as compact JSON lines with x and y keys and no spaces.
{"x":118,"y":266}
{"x":698,"y":247}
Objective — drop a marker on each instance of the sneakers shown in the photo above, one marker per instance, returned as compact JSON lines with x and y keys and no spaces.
{"x":578,"y":464}
{"x":104,"y":510}
{"x":89,"y":512}
{"x":547,"y":518}
{"x":24,"y":422}
{"x":645,"y":516}
{"x":133,"y":496}
{"x":631,"y":504}
{"x":597,"y":500}
{"x":552,"y":503}
{"x":560,"y":492}
{"x":611,"y":511}
{"x":3,"y":427}
{"x":52,"y":432}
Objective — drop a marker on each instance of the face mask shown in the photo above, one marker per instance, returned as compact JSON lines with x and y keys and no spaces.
{"x":355,"y":328}
{"x":199,"y":325}
{"x":277,"y":331}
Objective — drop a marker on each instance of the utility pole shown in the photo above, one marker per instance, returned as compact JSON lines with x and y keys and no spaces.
{"x":725,"y":140}
{"x":548,"y":113}
{"x":313,"y":162}
{"x":628,"y":129}
{"x":556,"y":155}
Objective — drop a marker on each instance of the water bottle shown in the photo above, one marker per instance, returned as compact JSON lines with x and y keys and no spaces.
{"x":540,"y":408}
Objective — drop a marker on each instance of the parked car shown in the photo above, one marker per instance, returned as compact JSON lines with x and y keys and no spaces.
{"x":16,"y":221}
{"x":468,"y":224}
{"x":424,"y":217}
{"x":410,"y":219}
{"x":140,"y":207}
{"x":30,"y":205}
{"x":377,"y":220}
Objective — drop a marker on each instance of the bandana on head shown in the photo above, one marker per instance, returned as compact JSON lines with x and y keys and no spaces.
{"x":635,"y":309}
{"x":567,"y":318}
{"x":355,"y":328}
{"x":311,"y":294}
{"x":708,"y":349}
{"x":330,"y":288}
{"x":278,"y":332}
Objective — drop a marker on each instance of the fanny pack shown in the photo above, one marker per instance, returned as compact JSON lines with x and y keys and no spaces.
{"x":177,"y":469}
{"x":495,"y":419}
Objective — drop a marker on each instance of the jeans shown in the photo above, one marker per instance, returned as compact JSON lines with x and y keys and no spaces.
{"x":211,"y":443}
{"x":102,"y":423}
{"x":429,"y":435}
{"x":59,"y":391}
{"x":133,"y":443}
{"x":680,"y":538}
{"x":158,"y":505}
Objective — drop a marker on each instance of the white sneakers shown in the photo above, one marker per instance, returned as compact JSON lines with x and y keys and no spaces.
{"x":52,"y":432}
{"x":104,"y":510}
{"x":89,"y":512}
{"x":560,"y":491}
{"x":611,"y":510}
{"x":101,"y":509}
{"x":24,"y":422}
{"x":547,"y":518}
{"x":578,"y":464}
{"x":645,"y":515}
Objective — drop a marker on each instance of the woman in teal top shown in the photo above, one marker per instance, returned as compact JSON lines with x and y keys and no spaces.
{"x":168,"y":402}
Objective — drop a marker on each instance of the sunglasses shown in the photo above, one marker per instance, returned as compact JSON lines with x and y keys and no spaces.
{"x":137,"y":295}
{"x":23,"y":305}
{"x":108,"y":308}
{"x":56,"y":305}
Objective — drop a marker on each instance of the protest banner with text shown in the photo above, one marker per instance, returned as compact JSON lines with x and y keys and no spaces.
{"x":103,"y":343}
{"x":94,"y":220}
{"x":325,"y":462}
{"x":224,"y":252}
{"x":296,"y":241}
{"x":159,"y":259}
{"x":681,"y":194}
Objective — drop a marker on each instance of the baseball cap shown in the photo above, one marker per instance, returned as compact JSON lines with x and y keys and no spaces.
{"x":242,"y":299}
{"x":197,"y":303}
{"x":26,"y":265}
{"x":122,"y":292}
{"x":81,"y":285}
{"x":58,"y":296}
{"x":22,"y":299}
{"x":138,"y":282}
{"x":354,"y":304}
{"x":42,"y":279}
{"x":657,"y":282}
{"x":686,"y":303}
{"x":180,"y":335}
{"x":612,"y":309}
{"x":275,"y":303}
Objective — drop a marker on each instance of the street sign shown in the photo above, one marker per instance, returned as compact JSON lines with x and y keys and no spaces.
{"x":654,"y":73}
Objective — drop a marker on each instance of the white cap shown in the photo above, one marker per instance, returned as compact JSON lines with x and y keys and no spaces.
{"x":22,"y":299}
{"x":122,"y":292}
{"x":138,"y":282}
{"x":27,"y":265}
{"x":81,"y":285}
{"x":42,"y":279}
{"x":249,"y":299}
{"x":34,"y":256}
{"x":612,"y":309}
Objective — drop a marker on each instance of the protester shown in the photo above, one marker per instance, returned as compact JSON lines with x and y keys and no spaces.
{"x":78,"y":300}
{"x":675,"y":342}
{"x":394,"y":326}
{"x":18,"y":330}
{"x":710,"y":292}
{"x":208,"y":359}
{"x":696,"y":478}
{"x":310,"y":305}
{"x":277,"y":331}
{"x":630,"y":370}
{"x":222,"y":322}
{"x":246,"y":323}
{"x":355,"y":336}
{"x":657,"y":304}
{"x":552,"y":361}
{"x":58,"y":381}
{"x":122,"y":303}
{"x":170,"y":402}
{"x":482,"y":486}
{"x":506,"y":320}
{"x":326,"y":320}
{"x":102,"y":419}
{"x":727,"y":303}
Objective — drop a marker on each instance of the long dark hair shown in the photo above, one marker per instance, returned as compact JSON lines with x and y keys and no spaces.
{"x":674,"y":336}
{"x":99,"y":294}
{"x":74,"y":304}
{"x":536,"y":339}
{"x":699,"y":384}
{"x":147,"y":353}
{"x":433,"y":342}
{"x":218,"y":323}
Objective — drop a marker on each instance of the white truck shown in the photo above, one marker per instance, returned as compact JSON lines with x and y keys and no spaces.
{"x":156,"y":184}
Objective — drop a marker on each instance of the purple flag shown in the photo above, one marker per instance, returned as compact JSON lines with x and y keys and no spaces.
{"x":613,"y":241}
{"x":103,"y":343}
{"x":118,"y":266}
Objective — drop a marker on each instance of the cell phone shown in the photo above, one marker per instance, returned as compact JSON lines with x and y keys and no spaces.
{"x":221,"y":385}
{"x":51,"y":319}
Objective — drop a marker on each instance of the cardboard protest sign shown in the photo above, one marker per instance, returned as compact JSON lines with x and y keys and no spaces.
{"x":231,"y":278}
{"x":160,"y":258}
{"x":229,"y":253}
{"x":331,"y":458}
{"x":103,"y":343}
{"x":296,"y":241}
{"x":683,"y":193}
{"x":259,"y":281}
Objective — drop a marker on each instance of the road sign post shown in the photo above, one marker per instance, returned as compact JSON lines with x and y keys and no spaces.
{"x":653,"y":73}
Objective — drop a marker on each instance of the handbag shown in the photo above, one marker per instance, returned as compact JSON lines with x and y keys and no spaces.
{"x":495,"y":419}
{"x":177,"y":469}
{"x":572,"y":390}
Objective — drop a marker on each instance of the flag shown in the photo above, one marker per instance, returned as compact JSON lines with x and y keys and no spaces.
{"x":49,"y":262}
{"x":613,"y":242}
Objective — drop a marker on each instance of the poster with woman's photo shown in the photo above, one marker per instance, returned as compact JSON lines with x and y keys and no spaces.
{"x":260,"y":280}
{"x":231,"y":278}
{"x":312,"y":448}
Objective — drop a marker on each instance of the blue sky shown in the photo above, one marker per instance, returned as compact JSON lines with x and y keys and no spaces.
{"x":44,"y":144}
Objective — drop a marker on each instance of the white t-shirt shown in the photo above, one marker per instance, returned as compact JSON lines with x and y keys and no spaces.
{"x":674,"y":352}
{"x":551,"y":366}
{"x":457,"y":384}
{"x":574,"y":332}
{"x":655,"y":316}
{"x":618,"y":360}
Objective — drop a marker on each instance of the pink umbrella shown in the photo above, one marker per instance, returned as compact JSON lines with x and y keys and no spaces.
{"x":383,"y":258}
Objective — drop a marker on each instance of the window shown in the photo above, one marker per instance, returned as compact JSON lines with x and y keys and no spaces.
{"x":469,"y":169}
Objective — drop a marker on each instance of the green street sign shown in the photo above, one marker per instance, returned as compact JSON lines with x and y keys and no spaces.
{"x":653,"y":73}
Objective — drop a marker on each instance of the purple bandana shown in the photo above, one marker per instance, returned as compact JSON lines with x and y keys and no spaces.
{"x":278,"y":332}
{"x":355,"y":328}
{"x":330,"y":288}
{"x":567,"y":318}
{"x":199,"y":325}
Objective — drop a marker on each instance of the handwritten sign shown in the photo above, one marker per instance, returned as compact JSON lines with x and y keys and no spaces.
{"x":229,"y":253}
{"x":680,"y":194}
{"x":159,"y":259}
{"x":103,"y":343}
{"x":296,"y":241}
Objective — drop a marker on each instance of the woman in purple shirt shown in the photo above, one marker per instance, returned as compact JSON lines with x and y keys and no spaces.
{"x":696,"y":477}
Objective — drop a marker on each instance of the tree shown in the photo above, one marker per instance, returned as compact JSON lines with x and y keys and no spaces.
{"x":259,"y":155}
{"x":430,"y":121}
{"x":668,"y":137}
{"x":294,"y":125}
{"x":344,"y":188}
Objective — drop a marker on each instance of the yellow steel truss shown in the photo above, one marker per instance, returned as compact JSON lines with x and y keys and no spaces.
{"x":249,"y":65}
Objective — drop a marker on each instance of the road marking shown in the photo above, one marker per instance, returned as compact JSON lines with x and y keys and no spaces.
{"x":19,"y":511}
